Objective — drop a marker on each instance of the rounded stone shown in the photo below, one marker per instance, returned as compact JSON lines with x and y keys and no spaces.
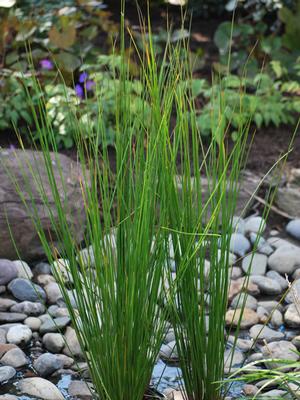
{"x":54,"y":325}
{"x":233,"y":360}
{"x":53,"y":292}
{"x":276,"y":319}
{"x":46,"y":364}
{"x":261,"y":244}
{"x":249,"y":318}
{"x":278,"y":278}
{"x":8,"y":271}
{"x":244,"y":300}
{"x":255,"y":224}
{"x":23,"y":289}
{"x":283,"y":350}
{"x":169,"y":352}
{"x":6,"y":373}
{"x":293,"y":228}
{"x":80,"y":390}
{"x":239,"y":244}
{"x":73,"y":348}
{"x":29,"y":308}
{"x":292,"y":317}
{"x":24,"y":271}
{"x":41,"y":388}
{"x":18,"y":335}
{"x":266,"y":285}
{"x":262,"y":333}
{"x":285,"y":259}
{"x":294,"y":292}
{"x":255,"y":264}
{"x":33,"y":323}
{"x":54,"y":342}
{"x":15,"y":358}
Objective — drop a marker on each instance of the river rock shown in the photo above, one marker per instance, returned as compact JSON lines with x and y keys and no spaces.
{"x":41,"y":388}
{"x":53,"y":292}
{"x":2,"y":336}
{"x":11,"y":317}
{"x":293,"y":228}
{"x":6,"y":373}
{"x":255,"y":224}
{"x":24,"y":290}
{"x":46,"y":364}
{"x":276,"y":319}
{"x":19,"y":335}
{"x":249,"y":318}
{"x":285,"y":259}
{"x":261,"y":244}
{"x":6,"y":304}
{"x":8,"y":270}
{"x":68,"y":177}
{"x":264,"y":333}
{"x":169,"y":352}
{"x":292,"y":316}
{"x":233,"y":360}
{"x":266,"y":285}
{"x":15,"y":358}
{"x":279,"y":278}
{"x":294,"y":292}
{"x":244,"y":300}
{"x":54,"y":325}
{"x":33,"y":323}
{"x":24,"y":271}
{"x":29,"y":308}
{"x":280,"y":350}
{"x":54,"y":342}
{"x":239,"y":244}
{"x":80,"y":390}
{"x":242,"y":284}
{"x":72,"y":348}
{"x":255,"y":264}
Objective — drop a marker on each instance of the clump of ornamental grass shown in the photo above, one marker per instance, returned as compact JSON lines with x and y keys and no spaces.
{"x":116,"y":283}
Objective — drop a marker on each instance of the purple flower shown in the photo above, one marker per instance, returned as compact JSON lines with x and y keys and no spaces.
{"x":46,"y":64}
{"x":79,"y":91}
{"x":83,"y":77}
{"x":89,"y":84}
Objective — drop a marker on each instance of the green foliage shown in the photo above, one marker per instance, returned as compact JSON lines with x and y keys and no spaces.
{"x":291,"y":19}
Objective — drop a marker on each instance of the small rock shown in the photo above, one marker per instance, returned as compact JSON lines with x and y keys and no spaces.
{"x":242,"y":344}
{"x":238,"y":225}
{"x":4,"y":348}
{"x":29,"y":308}
{"x":42,"y":268}
{"x":296,"y":342}
{"x":233,"y":360}
{"x":266,"y":285}
{"x":235,"y":272}
{"x":8,"y":271}
{"x":15,"y":358}
{"x":264,"y":333}
{"x":292,"y":316}
{"x":54,"y":325}
{"x":11,"y":317}
{"x":263,"y":314}
{"x":255,"y":264}
{"x":86,"y":257}
{"x":276,"y":319}
{"x":270,"y":305}
{"x":170,"y":336}
{"x":54,"y":342}
{"x":68,"y":362}
{"x":8,"y":397}
{"x":41,"y":388}
{"x":277,"y":277}
{"x":255,"y":224}
{"x":241,"y":284}
{"x":80,"y":390}
{"x":249,"y":318}
{"x":294,"y":292}
{"x":261,"y":244}
{"x":73,"y":347}
{"x":231,"y":257}
{"x":6,"y":304}
{"x":169,"y":352}
{"x":279,"y":242}
{"x":33,"y":323}
{"x":244,"y":300}
{"x":285,"y":259}
{"x":45,"y":279}
{"x":23,"y":289}
{"x":19,"y":335}
{"x":239,"y":244}
{"x":250,"y":390}
{"x":273,"y":394}
{"x":6,"y":373}
{"x":46,"y":364}
{"x":24,"y":271}
{"x":293,"y":228}
{"x":53,"y":292}
{"x":283,"y":350}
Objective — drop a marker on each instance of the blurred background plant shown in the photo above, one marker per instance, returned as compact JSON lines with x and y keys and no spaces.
{"x":77,"y":36}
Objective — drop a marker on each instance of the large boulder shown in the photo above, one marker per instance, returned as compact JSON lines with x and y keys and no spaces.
{"x":16,"y":170}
